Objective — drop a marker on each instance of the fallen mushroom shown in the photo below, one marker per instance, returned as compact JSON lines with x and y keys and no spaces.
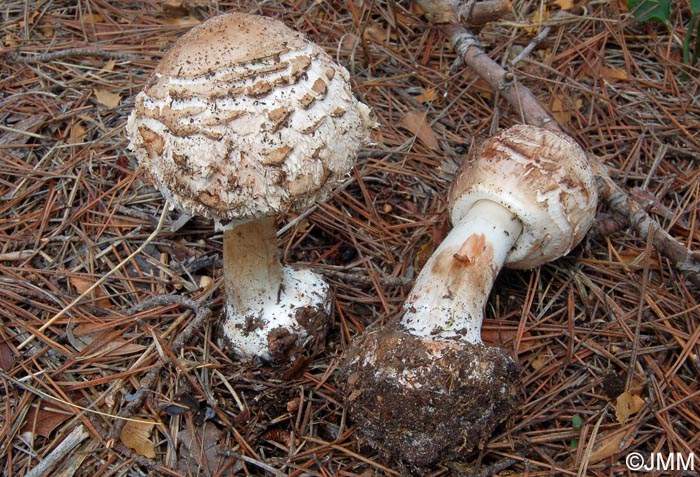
{"x":243,"y":120}
{"x":425,"y":387}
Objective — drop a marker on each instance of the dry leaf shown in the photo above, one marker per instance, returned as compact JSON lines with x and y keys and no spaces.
{"x":504,"y":337}
{"x":374,"y":34}
{"x":109,"y":66}
{"x":562,"y":107}
{"x":7,"y":357}
{"x":610,"y":443}
{"x":174,"y":8}
{"x":540,"y":361}
{"x":541,"y":15}
{"x":205,"y":282}
{"x":43,"y":421}
{"x":613,"y":75}
{"x":424,"y":252}
{"x":560,"y":111}
{"x":90,"y":18}
{"x":85,"y":335}
{"x":82,"y":285}
{"x":349,"y":42}
{"x":77,"y":133}
{"x":498,"y":336}
{"x":137,"y":436}
{"x":415,"y":122}
{"x":107,"y":98}
{"x":627,"y":405}
{"x":11,"y":41}
{"x":201,"y":448}
{"x":407,"y":21}
{"x":564,"y":4}
{"x":427,"y":95}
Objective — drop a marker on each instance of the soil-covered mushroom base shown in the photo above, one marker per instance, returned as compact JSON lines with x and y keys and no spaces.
{"x":419,"y":400}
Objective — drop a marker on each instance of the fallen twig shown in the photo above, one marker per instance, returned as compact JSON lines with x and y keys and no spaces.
{"x":70,"y":52}
{"x":78,"y":435}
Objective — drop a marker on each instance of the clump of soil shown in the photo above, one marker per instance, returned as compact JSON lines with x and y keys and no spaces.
{"x":419,"y":400}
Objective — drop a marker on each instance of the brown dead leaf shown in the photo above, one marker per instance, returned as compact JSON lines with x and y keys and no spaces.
{"x":107,"y":98}
{"x":540,"y":16}
{"x":82,"y":285}
{"x":424,"y":252}
{"x":626,"y":405}
{"x":93,"y":18}
{"x":349,"y":42}
{"x":109,"y":66}
{"x":43,"y":421}
{"x":562,"y":107}
{"x":77,"y":133}
{"x":497,"y":336}
{"x":613,"y":75}
{"x":7,"y":357}
{"x":415,"y":122}
{"x":174,"y":8}
{"x":375,"y":34}
{"x":564,"y":4}
{"x":610,"y":443}
{"x":102,"y":342}
{"x":407,"y":21}
{"x":427,"y":95}
{"x":560,"y":111}
{"x":205,"y":282}
{"x":137,"y":436}
{"x":11,"y":41}
{"x":503,"y":338}
{"x":201,"y":447}
{"x":540,"y":361}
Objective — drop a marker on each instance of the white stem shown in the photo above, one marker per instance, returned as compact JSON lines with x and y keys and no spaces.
{"x":252,"y":270}
{"x":270,"y":309}
{"x":448,"y":297}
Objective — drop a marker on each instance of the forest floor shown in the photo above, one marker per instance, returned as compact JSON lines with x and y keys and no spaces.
{"x":109,"y":305}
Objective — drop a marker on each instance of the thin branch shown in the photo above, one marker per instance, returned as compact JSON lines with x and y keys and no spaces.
{"x":68,"y":53}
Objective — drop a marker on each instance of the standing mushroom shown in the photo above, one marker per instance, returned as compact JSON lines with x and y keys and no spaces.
{"x":425,"y":387}
{"x":243,"y":120}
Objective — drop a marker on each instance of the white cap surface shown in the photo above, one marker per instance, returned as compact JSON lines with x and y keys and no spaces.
{"x":245,"y":118}
{"x":541,"y":177}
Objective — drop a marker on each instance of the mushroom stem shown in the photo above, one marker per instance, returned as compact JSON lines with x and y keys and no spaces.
{"x":252,"y":271}
{"x":272,"y":312}
{"x":448,"y":297}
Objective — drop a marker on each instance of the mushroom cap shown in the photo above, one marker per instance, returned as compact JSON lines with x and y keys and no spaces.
{"x":245,"y":118}
{"x":543,"y":178}
{"x":420,"y":400}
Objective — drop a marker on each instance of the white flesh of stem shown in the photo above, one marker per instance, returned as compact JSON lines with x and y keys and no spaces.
{"x":448,"y":297}
{"x":262,"y":296}
{"x":252,"y":270}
